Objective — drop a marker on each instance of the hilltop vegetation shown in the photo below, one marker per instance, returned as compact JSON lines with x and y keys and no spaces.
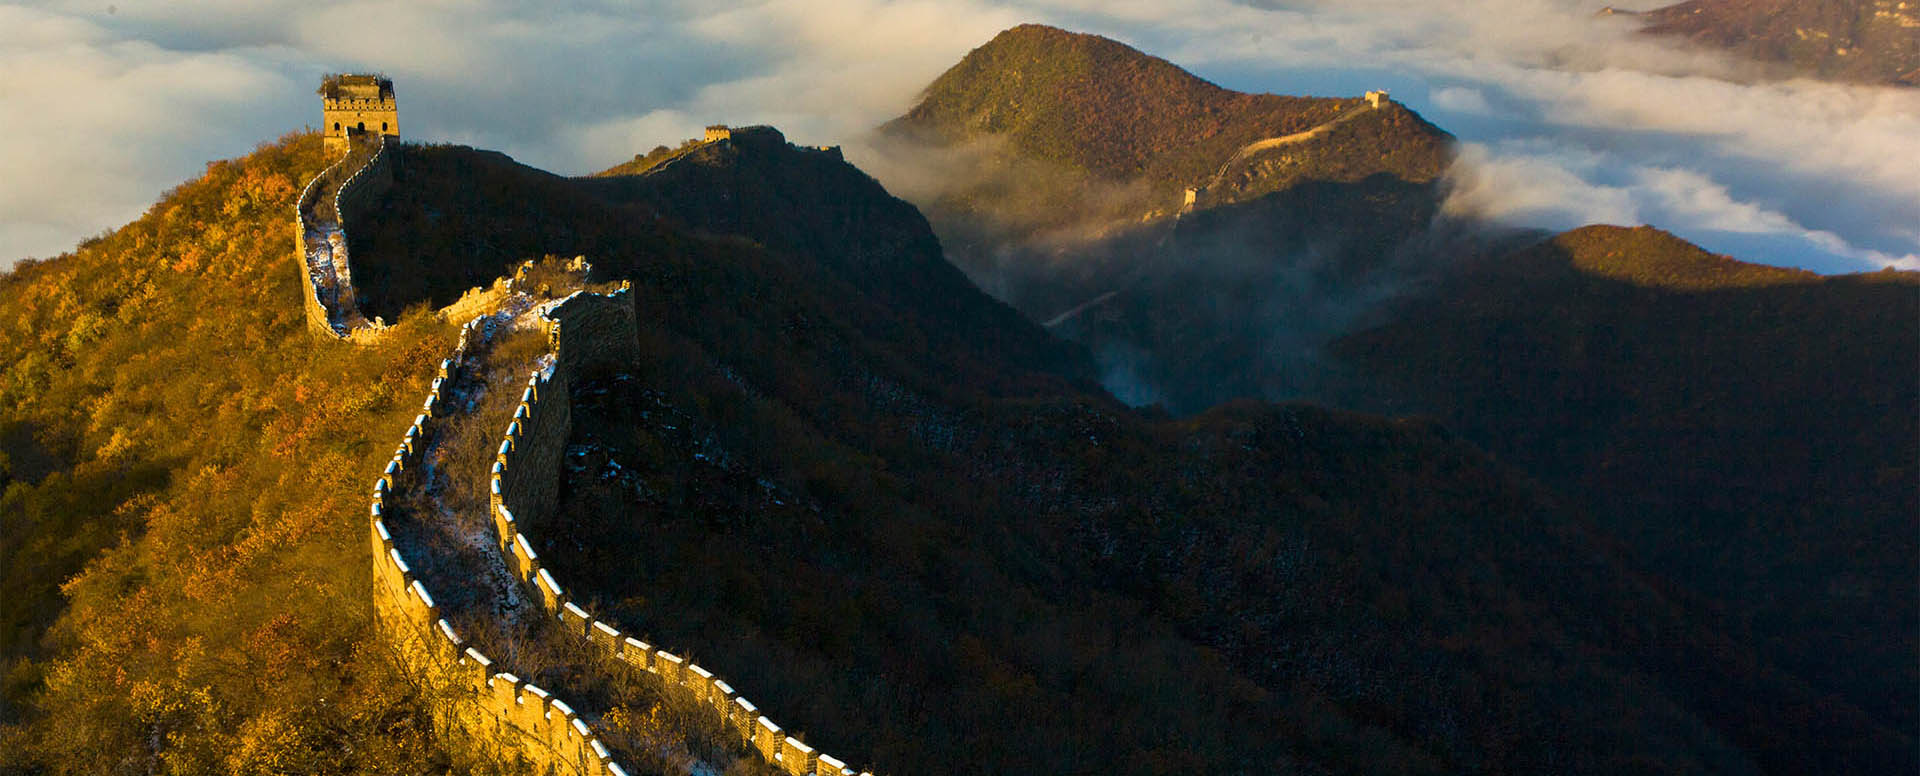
{"x":183,"y":469}
{"x":1095,"y":105}
{"x":1045,"y":133}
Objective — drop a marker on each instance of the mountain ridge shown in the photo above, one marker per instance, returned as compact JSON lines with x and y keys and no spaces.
{"x":906,"y":517}
{"x":1640,"y":377}
{"x":1097,"y":109}
{"x":1863,"y":41}
{"x":891,"y":474}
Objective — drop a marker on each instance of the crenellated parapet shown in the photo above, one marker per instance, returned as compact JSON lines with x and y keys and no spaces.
{"x":586,"y":331}
{"x":499,"y":712}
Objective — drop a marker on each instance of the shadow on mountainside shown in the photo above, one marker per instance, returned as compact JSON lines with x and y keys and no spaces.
{"x":1751,"y":432}
{"x":901,"y":519}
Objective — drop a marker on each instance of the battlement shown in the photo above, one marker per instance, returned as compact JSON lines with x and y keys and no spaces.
{"x":504,"y":717}
{"x":761,"y":133}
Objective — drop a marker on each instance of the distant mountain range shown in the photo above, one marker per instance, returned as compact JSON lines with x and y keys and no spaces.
{"x":1728,"y":421}
{"x":1865,"y":41}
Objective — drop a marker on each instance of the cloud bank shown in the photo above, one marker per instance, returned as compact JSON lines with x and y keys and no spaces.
{"x":1565,"y":119}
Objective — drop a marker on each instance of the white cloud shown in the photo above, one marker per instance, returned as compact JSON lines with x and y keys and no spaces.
{"x":1460,"y":99}
{"x":1534,"y":188}
{"x":1568,"y":119}
{"x":97,"y":124}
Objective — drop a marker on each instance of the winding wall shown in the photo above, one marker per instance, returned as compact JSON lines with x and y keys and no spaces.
{"x":587,"y":330}
{"x":303,"y":225}
{"x":502,"y":715}
{"x":332,"y":309}
{"x":1372,"y":102}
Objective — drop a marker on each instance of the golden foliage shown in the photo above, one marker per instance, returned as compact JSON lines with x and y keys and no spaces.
{"x":188,"y":459}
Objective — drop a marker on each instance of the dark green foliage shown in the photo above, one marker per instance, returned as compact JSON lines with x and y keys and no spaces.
{"x":1010,"y":574}
{"x":1750,"y":431}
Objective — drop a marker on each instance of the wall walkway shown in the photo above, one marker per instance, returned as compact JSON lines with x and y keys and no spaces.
{"x":320,"y":244}
{"x":502,"y":716}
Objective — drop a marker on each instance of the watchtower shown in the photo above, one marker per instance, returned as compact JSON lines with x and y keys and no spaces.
{"x":1375,"y":98}
{"x":356,"y":104}
{"x":718,"y":132}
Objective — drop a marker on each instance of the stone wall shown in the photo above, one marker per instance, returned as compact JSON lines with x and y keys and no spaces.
{"x":500,"y":715}
{"x":587,"y":331}
{"x":357,"y":195}
{"x":478,"y":300}
{"x":352,"y":201}
{"x":310,"y":295}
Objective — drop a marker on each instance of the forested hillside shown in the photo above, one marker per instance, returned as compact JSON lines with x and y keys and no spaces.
{"x":184,"y":466}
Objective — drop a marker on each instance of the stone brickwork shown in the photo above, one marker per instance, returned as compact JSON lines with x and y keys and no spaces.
{"x":356,"y":196}
{"x":502,"y":716}
{"x":587,"y":331}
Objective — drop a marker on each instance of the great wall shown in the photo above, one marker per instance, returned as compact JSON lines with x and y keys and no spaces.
{"x":320,"y":242}
{"x":476,"y":699}
{"x":1373,"y":101}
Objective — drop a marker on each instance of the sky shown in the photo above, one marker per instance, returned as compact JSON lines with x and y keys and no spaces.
{"x":1564,"y":119}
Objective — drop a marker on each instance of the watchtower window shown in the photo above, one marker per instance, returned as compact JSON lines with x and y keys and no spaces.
{"x":336,"y":126}
{"x":363,"y":126}
{"x":383,"y":126}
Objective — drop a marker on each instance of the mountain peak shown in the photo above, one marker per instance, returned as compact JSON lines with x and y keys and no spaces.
{"x":1647,"y":256}
{"x":1098,"y":111}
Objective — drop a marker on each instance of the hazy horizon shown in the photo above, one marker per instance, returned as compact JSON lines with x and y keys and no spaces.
{"x":1564,"y":119}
